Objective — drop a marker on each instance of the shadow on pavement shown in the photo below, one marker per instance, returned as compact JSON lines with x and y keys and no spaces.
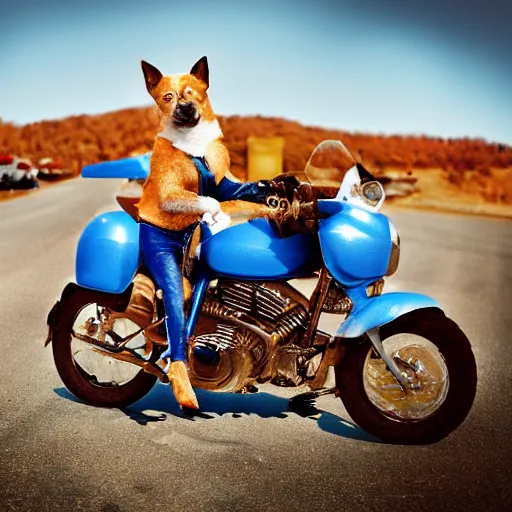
{"x":160,"y":401}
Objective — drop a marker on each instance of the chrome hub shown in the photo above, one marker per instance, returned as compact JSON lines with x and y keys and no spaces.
{"x":426,"y":372}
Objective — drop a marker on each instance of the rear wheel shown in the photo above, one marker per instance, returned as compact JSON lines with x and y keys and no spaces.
{"x":440,"y":365}
{"x":93,"y":377}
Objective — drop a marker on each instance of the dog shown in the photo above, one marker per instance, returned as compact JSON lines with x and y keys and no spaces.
{"x":188,"y":167}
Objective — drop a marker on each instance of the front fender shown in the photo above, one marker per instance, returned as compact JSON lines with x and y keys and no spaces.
{"x":382,"y":310}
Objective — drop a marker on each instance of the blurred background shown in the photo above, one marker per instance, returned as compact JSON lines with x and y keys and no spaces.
{"x":419,"y":91}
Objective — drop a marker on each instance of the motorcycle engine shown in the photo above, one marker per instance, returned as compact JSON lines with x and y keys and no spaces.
{"x":250,"y":332}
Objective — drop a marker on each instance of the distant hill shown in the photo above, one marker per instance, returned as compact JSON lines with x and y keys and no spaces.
{"x":80,"y":140}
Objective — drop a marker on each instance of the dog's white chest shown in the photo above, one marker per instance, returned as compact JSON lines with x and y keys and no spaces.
{"x":193,"y":141}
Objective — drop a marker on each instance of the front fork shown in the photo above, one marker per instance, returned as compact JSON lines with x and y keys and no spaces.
{"x":337,"y":348}
{"x":400,"y":376}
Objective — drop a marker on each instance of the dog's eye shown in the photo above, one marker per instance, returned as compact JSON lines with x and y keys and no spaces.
{"x":189,"y":91}
{"x":168,"y":97}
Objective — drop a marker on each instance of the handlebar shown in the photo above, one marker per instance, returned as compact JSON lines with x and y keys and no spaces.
{"x":293,"y":206}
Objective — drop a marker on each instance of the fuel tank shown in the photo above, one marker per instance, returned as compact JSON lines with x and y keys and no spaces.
{"x":252,"y":250}
{"x":355,"y":243}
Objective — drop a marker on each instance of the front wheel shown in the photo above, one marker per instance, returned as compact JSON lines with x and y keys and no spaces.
{"x":441,"y":368}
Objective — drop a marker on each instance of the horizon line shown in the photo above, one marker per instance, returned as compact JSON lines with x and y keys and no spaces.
{"x":353,"y":132}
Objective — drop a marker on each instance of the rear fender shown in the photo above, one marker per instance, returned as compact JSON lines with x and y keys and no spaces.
{"x":373,"y":312}
{"x":53,"y":319}
{"x":53,"y":316}
{"x":108,"y":253}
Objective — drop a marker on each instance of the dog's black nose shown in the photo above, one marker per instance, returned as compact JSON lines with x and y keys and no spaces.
{"x":186,"y":108}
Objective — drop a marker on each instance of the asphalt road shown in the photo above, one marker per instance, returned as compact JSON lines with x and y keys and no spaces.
{"x":249,"y":452}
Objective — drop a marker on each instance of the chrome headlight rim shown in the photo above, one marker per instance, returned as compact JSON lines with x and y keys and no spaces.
{"x":394,"y":256}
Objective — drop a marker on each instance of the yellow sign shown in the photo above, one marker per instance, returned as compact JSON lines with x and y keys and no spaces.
{"x":264,"y":157}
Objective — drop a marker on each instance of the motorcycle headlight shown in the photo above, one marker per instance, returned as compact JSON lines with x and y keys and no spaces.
{"x":395,"y":250}
{"x":372,"y":193}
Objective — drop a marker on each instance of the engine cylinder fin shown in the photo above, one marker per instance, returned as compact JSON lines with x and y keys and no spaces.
{"x":291,"y":321}
{"x":238,"y":292}
{"x":237,"y":305}
{"x":272,"y":297}
{"x":241,"y":294}
{"x":254,"y":298}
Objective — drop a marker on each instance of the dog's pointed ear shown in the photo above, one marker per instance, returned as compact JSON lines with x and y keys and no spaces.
{"x":151,"y":74}
{"x":200,"y":70}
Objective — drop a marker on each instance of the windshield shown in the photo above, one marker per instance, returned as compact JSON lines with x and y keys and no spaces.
{"x":328,"y":164}
{"x":332,"y":167}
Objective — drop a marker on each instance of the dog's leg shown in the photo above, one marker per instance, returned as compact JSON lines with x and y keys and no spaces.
{"x":246,"y":209}
{"x":187,"y":290}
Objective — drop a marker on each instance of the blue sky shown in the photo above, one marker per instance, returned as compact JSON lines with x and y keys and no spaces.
{"x":406,"y":67}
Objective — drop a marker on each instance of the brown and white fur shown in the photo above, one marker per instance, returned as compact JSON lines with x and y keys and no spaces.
{"x":188,"y":126}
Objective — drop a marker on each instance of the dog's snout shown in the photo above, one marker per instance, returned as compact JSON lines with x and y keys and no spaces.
{"x":186,"y":107}
{"x":185,"y":114}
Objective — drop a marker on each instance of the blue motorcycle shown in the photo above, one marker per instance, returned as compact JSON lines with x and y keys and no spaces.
{"x":404,"y":371}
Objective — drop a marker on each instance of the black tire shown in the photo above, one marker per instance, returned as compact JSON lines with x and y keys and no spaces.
{"x":74,"y":378}
{"x":453,"y":345}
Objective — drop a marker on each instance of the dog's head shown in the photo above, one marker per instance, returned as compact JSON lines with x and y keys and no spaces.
{"x":181,"y":99}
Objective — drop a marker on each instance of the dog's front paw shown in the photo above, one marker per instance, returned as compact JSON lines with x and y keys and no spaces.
{"x":222,"y":219}
{"x":208,"y":218}
{"x":209,"y":205}
{"x":217,"y":221}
